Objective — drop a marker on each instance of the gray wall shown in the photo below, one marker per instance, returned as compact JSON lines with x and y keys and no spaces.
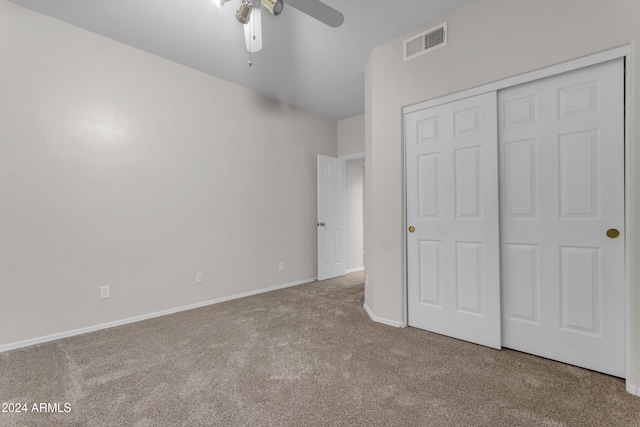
{"x":355,"y":214}
{"x":489,"y":40}
{"x":351,"y":141}
{"x":351,"y":135}
{"x":120,"y":168}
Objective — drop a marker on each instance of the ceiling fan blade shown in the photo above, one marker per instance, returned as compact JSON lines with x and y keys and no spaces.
{"x":253,"y":31}
{"x":318,"y":10}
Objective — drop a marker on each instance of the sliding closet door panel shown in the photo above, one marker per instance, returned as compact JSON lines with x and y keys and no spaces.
{"x":452,"y":215}
{"x":562,"y":187}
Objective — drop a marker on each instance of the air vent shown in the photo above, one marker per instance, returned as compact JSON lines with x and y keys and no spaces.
{"x":427,"y":41}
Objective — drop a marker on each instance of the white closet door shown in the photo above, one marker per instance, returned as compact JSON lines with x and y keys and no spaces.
{"x":562,"y":189}
{"x":452,"y":211}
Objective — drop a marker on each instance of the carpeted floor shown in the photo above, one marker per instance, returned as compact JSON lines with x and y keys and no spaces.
{"x":302,"y":356}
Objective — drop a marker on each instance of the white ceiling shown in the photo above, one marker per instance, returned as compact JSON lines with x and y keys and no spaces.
{"x":303,"y":62}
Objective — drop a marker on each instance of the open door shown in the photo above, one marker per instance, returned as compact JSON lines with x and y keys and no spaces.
{"x":331,"y":218}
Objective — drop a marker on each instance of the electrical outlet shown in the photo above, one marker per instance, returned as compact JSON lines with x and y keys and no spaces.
{"x":199,"y":277}
{"x":281,"y":265}
{"x":104,"y":292}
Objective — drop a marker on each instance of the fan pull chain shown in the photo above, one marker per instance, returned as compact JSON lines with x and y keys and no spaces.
{"x":250,"y":63}
{"x":253,"y":35}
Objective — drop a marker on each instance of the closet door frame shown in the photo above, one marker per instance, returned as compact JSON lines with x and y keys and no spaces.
{"x":620,"y":52}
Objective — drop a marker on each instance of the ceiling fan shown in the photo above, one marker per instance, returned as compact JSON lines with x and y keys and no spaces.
{"x":250,"y":15}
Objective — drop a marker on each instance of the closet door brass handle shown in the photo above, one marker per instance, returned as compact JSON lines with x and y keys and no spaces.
{"x":412,"y":229}
{"x":613,"y":233}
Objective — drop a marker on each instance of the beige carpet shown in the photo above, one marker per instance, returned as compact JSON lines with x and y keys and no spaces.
{"x":302,"y":356}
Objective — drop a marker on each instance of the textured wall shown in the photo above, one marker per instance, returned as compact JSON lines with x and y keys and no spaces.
{"x":351,"y":135}
{"x":121,"y":168}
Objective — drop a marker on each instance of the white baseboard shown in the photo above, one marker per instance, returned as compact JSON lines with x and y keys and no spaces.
{"x":383,"y":321}
{"x":53,"y":337}
{"x":353,"y":270}
{"x":633,"y":390}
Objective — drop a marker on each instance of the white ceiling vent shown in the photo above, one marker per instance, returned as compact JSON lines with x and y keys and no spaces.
{"x":427,"y":41}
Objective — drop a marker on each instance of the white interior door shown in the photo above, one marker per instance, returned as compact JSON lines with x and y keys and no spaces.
{"x":562,"y":189}
{"x":331,"y":218}
{"x":452,"y":214}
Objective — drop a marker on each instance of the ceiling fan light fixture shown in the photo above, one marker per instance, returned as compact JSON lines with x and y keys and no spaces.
{"x":244,"y":12}
{"x":274,"y":6}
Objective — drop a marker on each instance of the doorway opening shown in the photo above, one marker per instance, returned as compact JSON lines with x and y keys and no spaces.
{"x":355,"y":214}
